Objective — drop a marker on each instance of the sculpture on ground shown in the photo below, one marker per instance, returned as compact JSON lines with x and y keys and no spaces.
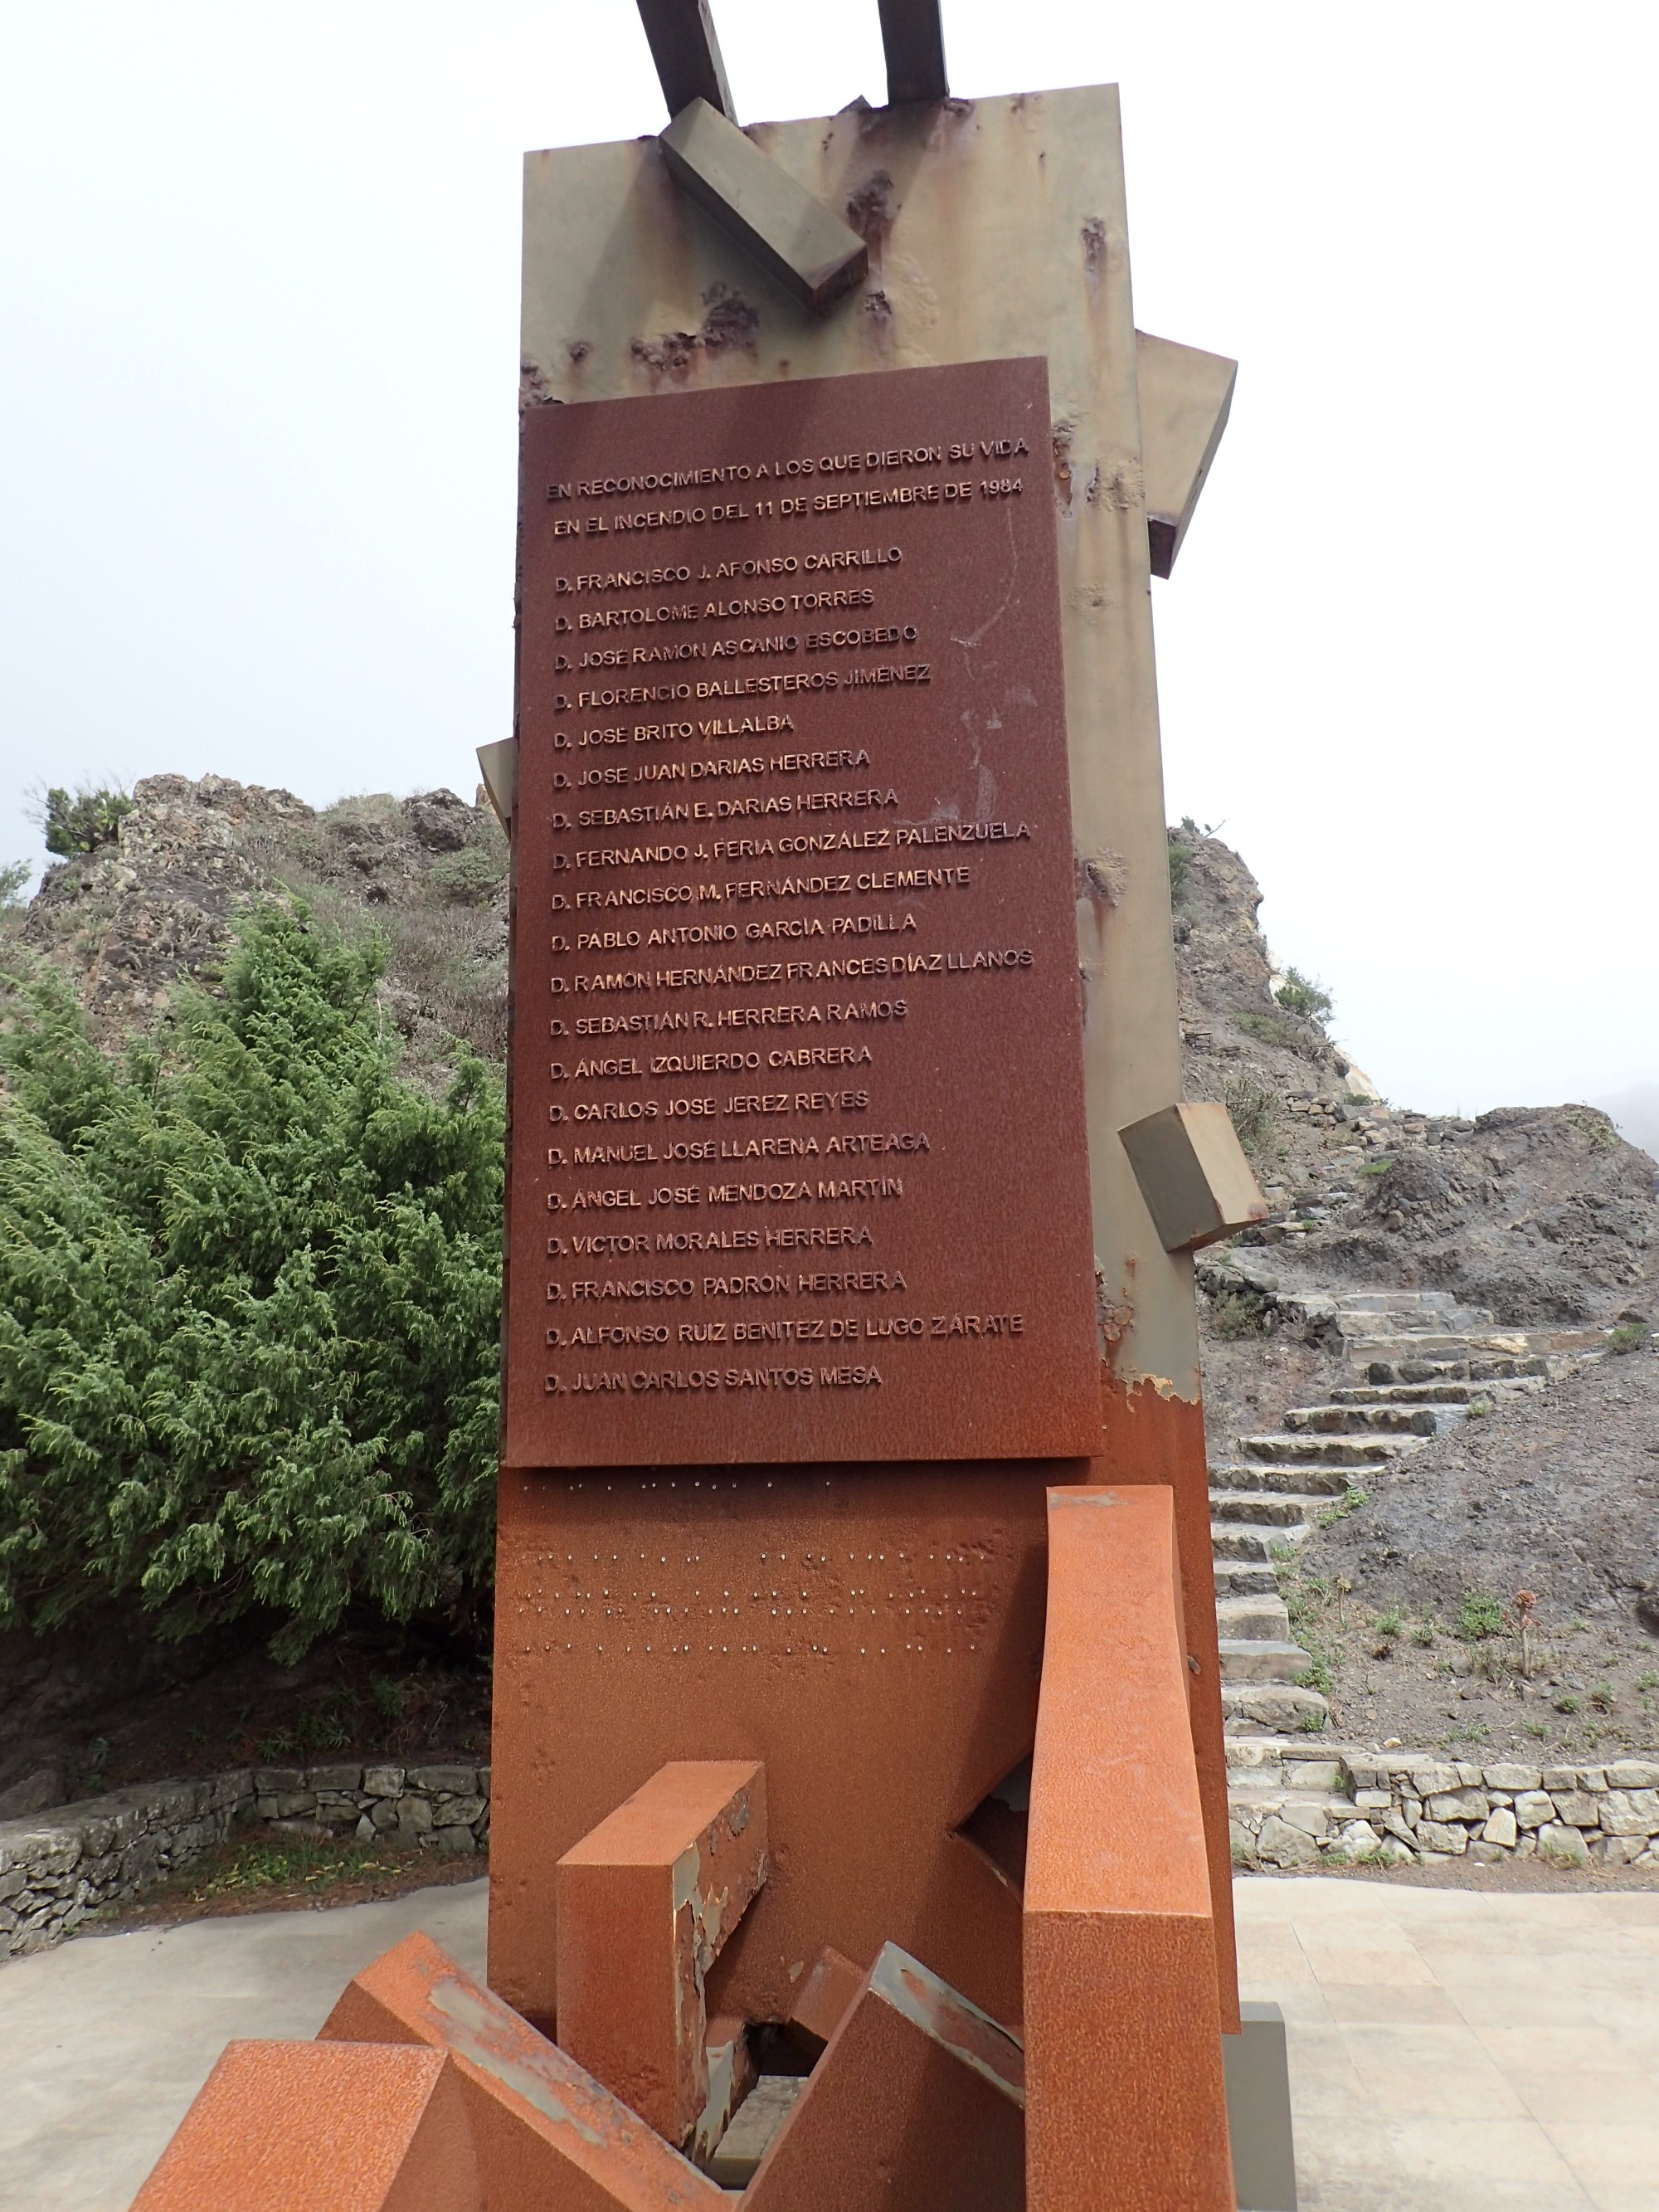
{"x":859,"y":1784}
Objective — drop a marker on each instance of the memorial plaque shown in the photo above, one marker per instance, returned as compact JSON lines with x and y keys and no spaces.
{"x":799,"y":1163}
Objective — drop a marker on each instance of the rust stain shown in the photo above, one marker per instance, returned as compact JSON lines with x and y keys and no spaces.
{"x":872,"y":210}
{"x":1060,"y":439}
{"x":728,"y":320}
{"x":1094,"y":244}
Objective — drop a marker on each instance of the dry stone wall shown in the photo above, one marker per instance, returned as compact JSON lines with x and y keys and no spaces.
{"x":59,"y":1867}
{"x":1398,"y":1808}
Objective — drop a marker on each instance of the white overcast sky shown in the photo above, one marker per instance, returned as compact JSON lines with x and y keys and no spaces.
{"x":259,"y":277}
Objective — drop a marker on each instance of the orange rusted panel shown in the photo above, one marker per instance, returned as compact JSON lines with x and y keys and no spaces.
{"x":1128,"y":2105}
{"x":1155,"y":1439}
{"x":309,"y":2127}
{"x":547,"y":2133}
{"x":918,"y":2105}
{"x":646,"y":1901}
{"x":873,"y":1634}
{"x":827,"y":1993}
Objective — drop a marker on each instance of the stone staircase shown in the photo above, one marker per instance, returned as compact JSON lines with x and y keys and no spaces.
{"x":1417,"y":1362}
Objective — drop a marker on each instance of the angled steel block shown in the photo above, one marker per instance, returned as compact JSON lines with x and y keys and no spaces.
{"x":811,"y":253}
{"x":546,"y":2132}
{"x":827,"y":1990}
{"x":1185,"y":399}
{"x":918,"y":2105}
{"x":681,"y":34}
{"x":1193,"y":1175}
{"x":913,"y":36}
{"x":646,"y":1903}
{"x":498,"y":765}
{"x":321,"y":2127}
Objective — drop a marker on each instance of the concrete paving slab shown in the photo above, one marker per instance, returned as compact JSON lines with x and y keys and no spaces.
{"x":1500,"y":2052}
{"x":105,"y":2041}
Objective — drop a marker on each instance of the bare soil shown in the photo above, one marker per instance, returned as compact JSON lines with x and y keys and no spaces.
{"x":200,"y":1894}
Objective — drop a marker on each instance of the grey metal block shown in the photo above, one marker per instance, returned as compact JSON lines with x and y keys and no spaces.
{"x":1185,"y":399}
{"x":794,"y":237}
{"x":1259,"y":2112}
{"x":681,"y":35}
{"x":1193,"y":1174}
{"x":913,"y":36}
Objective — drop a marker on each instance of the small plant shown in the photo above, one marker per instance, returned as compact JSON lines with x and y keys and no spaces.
{"x":80,"y":821}
{"x":1424,"y":1634}
{"x":390,"y":1696}
{"x":1479,"y":1408}
{"x":1390,"y":1624}
{"x":1566,"y":1703}
{"x":1474,"y":1732}
{"x":14,"y":874}
{"x":1537,"y":1729}
{"x":1648,"y":1682}
{"x":312,"y":1861}
{"x":1299,"y":994}
{"x":1379,"y":1167}
{"x":1629,"y":1336}
{"x":1312,"y":1721}
{"x":1250,"y":1108}
{"x":1317,"y":1676}
{"x":271,"y":1748}
{"x":1350,"y":1502}
{"x":1523,"y":1603}
{"x":1480,"y":1616}
{"x":1235,"y":1313}
{"x":1603,"y":1696}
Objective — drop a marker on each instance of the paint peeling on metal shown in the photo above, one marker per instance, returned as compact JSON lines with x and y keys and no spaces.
{"x":1094,"y":244}
{"x":971,"y":2036}
{"x":1104,"y":877}
{"x":475,"y":2029}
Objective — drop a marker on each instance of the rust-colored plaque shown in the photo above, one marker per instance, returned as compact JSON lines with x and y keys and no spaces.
{"x":799,"y":1163}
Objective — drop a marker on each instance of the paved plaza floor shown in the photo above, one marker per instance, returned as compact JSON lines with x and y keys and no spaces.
{"x":1447,"y":2048}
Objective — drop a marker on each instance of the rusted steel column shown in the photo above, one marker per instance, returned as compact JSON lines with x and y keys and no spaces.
{"x":646,"y":1901}
{"x":1126,"y":2099}
{"x":918,"y":2103}
{"x":321,"y":2127}
{"x":546,"y":2132}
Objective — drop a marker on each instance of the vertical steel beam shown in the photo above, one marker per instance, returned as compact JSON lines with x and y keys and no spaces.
{"x":681,"y":33}
{"x":913,"y":36}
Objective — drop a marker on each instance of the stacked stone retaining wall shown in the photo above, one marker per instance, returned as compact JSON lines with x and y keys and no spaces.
{"x":58,"y":1867}
{"x":1403,"y":1807}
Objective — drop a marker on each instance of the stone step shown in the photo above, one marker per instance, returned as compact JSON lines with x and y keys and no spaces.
{"x":1327,"y":1451}
{"x":1248,"y":1706}
{"x":1426,"y":1344}
{"x":1293,"y":1481}
{"x":1252,"y":1545}
{"x":1405,"y":1302}
{"x":1286,"y":1762}
{"x":1256,"y":1659}
{"x":1386,"y":1372}
{"x":1262,"y":1616}
{"x":1391,"y":1418}
{"x":1261,"y":1508}
{"x":1243,"y":1578}
{"x":1405,"y":1393}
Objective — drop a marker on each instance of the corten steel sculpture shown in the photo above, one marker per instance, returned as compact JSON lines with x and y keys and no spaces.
{"x":857,"y":1685}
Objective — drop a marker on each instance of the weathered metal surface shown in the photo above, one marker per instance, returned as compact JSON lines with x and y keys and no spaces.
{"x":794,"y":237}
{"x":686,"y":53}
{"x":826,"y":1992}
{"x":1186,"y":397}
{"x":498,"y":765}
{"x":1193,"y":1175}
{"x":800,"y":1166}
{"x":546,"y":2132}
{"x":647,"y":1901}
{"x":875,"y":1636}
{"x":309,"y":2127}
{"x":918,"y":2101}
{"x":996,"y":229}
{"x":913,"y":36}
{"x":1127,"y":2102}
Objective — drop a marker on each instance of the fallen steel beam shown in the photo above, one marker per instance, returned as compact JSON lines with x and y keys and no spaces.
{"x":681,"y":34}
{"x":811,"y":252}
{"x":913,"y":36}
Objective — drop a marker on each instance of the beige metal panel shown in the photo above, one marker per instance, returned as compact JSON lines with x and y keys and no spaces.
{"x":1185,"y":399}
{"x":996,"y":229}
{"x":1192,"y":1172}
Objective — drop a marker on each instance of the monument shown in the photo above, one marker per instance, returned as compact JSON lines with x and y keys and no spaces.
{"x":859,"y":1788}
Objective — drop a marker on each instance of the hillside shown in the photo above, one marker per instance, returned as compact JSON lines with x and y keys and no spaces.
{"x":1544,"y":1215}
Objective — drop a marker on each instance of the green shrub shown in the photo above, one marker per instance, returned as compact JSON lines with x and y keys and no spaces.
{"x":1181,"y":861}
{"x":472,"y":875}
{"x":1235,"y":1313}
{"x":14,"y":874}
{"x":1566,"y":1703}
{"x":80,"y":821}
{"x":249,"y":1307}
{"x":1629,"y":1336}
{"x":1299,"y":994}
{"x":1272,"y":1029}
{"x":1479,"y":1616}
{"x":1250,"y":1107}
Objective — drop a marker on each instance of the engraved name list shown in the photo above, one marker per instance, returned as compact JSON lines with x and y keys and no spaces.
{"x":799,"y":1168}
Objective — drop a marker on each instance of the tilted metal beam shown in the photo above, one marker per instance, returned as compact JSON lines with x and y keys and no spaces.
{"x":1185,"y":398}
{"x":913,"y":36}
{"x":681,"y":33}
{"x":794,"y":237}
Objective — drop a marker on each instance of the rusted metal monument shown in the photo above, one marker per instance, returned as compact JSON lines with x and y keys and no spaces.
{"x":858,"y":1725}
